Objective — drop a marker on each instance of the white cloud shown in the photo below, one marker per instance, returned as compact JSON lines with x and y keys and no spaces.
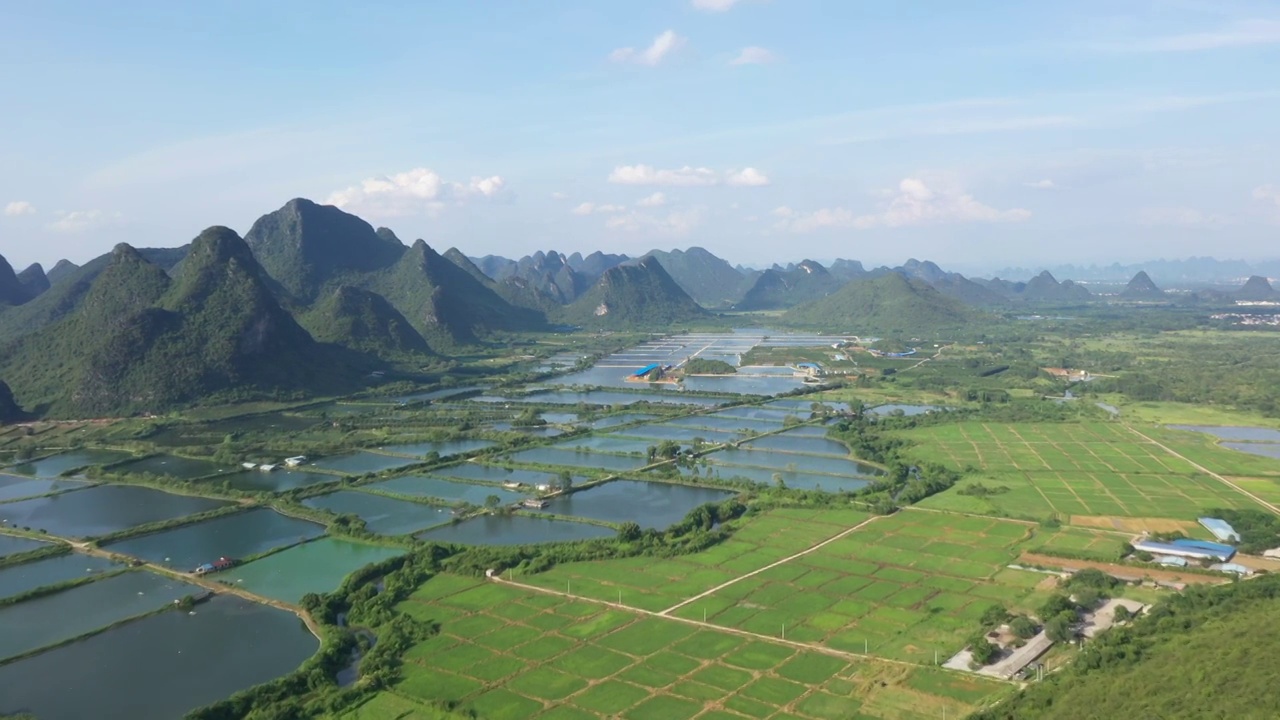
{"x":655,"y":200}
{"x":19,"y":207}
{"x":76,"y":221}
{"x":1178,"y":217}
{"x":747,"y":177}
{"x":714,"y":5}
{"x":677,"y":223}
{"x":912,"y":203}
{"x":662,"y":46}
{"x":686,"y":176}
{"x":587,"y":208}
{"x":413,"y":192}
{"x":1045,"y":184}
{"x":559,"y":196}
{"x":753,"y":55}
{"x":1267,"y":193}
{"x":1243,"y":33}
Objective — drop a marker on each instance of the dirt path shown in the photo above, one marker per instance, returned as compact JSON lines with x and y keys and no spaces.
{"x":770,"y":566}
{"x":1206,"y":471}
{"x":1028,"y":558}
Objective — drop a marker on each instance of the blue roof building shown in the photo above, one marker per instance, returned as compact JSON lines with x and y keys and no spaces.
{"x":646,"y":370}
{"x":1196,"y":549}
{"x":1221,"y":529}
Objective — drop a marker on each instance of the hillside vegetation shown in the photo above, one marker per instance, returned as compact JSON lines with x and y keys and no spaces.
{"x":634,"y":296}
{"x":890,"y":305}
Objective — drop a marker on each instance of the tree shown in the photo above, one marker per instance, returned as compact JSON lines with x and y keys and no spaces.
{"x":982,"y":650}
{"x":1059,"y":627}
{"x":994,"y":615}
{"x":565,"y":480}
{"x":492,"y":502}
{"x":1122,"y":614}
{"x":1023,"y":627}
{"x":629,"y":531}
{"x":1056,"y":605}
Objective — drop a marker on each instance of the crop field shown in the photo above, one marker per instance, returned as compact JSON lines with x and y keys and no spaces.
{"x":656,"y":585}
{"x":1091,"y":469}
{"x":510,"y":653}
{"x":902,"y":587}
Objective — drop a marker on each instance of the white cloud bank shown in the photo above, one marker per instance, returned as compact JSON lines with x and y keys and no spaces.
{"x":655,"y":200}
{"x":715,"y":5}
{"x":753,"y":55}
{"x":77,"y":221}
{"x":1267,"y":193}
{"x":661,"y":48}
{"x":416,"y":191}
{"x":19,"y":207}
{"x":677,"y":223}
{"x":587,"y":208}
{"x":912,"y":203}
{"x":686,"y":176}
{"x":1045,"y":184}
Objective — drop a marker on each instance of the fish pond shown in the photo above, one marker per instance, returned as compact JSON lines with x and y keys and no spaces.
{"x":183,"y":468}
{"x":238,"y":536}
{"x":14,"y":487}
{"x":18,"y":579}
{"x":770,"y":476}
{"x":905,"y":410}
{"x":62,"y":616}
{"x":447,"y":490}
{"x":318,"y":566}
{"x":57,"y":465}
{"x":650,"y":504}
{"x":497,"y":474}
{"x":451,"y":447}
{"x":276,"y":480}
{"x":513,"y":530}
{"x":1268,"y":450}
{"x":607,"y":444}
{"x":159,"y":667}
{"x":102,"y":510}
{"x":384,"y":515}
{"x":1234,"y":434}
{"x":615,"y":420}
{"x":10,"y":545}
{"x":793,"y":461}
{"x":572,"y":458}
{"x":359,"y":463}
{"x":790,"y":443}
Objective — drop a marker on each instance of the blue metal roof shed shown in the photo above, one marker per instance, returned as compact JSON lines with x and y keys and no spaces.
{"x":646,"y":370}
{"x":1221,"y":529}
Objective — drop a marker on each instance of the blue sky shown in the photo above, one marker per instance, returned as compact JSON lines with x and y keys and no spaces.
{"x":980,"y":134}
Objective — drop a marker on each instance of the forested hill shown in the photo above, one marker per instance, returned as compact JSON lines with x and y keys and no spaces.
{"x":139,"y":341}
{"x":1209,"y":652}
{"x":634,"y":296}
{"x":708,"y":279}
{"x":890,"y":304}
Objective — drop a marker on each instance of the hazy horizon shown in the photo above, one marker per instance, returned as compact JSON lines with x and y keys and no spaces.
{"x":763,"y":130}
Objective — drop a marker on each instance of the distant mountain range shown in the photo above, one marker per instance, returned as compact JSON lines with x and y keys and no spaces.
{"x":312,"y":299}
{"x":1189,"y":273}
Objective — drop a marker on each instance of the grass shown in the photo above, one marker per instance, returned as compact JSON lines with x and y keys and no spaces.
{"x":626,"y":664}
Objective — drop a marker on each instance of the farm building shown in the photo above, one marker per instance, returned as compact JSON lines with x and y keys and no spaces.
{"x":809,"y":368}
{"x":1171,"y":560}
{"x":1193,"y":549}
{"x":1221,"y":529}
{"x":1231,"y":568}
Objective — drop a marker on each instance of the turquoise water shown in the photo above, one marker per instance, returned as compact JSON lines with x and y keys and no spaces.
{"x":318,"y":566}
{"x":17,"y":579}
{"x":13,"y":487}
{"x":10,"y":545}
{"x":102,"y":510}
{"x":174,"y":466}
{"x":66,"y":462}
{"x":452,"y":447}
{"x":570,"y":458}
{"x":421,"y":486}
{"x":728,"y":424}
{"x":159,"y":667}
{"x":70,"y":613}
{"x":275,"y":481}
{"x":235,"y":536}
{"x":513,"y":530}
{"x":607,"y":444}
{"x":801,"y":463}
{"x":651,"y":504}
{"x":765,"y":476}
{"x":359,"y":463}
{"x":495,"y":474}
{"x":787,"y":442}
{"x":384,"y":515}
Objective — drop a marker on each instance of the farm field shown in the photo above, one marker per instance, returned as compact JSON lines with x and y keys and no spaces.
{"x":653,"y":585}
{"x":1064,"y":470}
{"x":902,"y":587}
{"x":506,"y":652}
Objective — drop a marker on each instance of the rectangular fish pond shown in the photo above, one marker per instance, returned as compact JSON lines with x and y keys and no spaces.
{"x":235,"y":536}
{"x":383,"y":515}
{"x":788,"y":443}
{"x":446,"y":448}
{"x":102,"y":510}
{"x":159,"y":667}
{"x":359,"y":463}
{"x":11,"y":545}
{"x":513,"y":530}
{"x":498,"y":474}
{"x":56,"y":465}
{"x":183,"y":468}
{"x":583,"y":460}
{"x":650,"y":504}
{"x":14,"y":487}
{"x":318,"y":566}
{"x":18,"y":579}
{"x":446,"y":490}
{"x":794,"y":461}
{"x":276,"y":480}
{"x":770,"y":476}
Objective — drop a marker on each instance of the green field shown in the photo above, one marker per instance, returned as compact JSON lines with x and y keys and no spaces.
{"x":902,"y":587}
{"x":507,"y":653}
{"x":655,"y":585}
{"x":1087,"y":469}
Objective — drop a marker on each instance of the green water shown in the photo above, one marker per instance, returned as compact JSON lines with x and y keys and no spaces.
{"x":451,"y":447}
{"x":496,"y":474}
{"x":607,"y":444}
{"x":159,"y":667}
{"x":17,"y":579}
{"x":728,"y":424}
{"x":513,"y":530}
{"x":571,"y":458}
{"x":175,"y":466}
{"x":102,"y":510}
{"x":319,"y":566}
{"x":234,"y":536}
{"x":64,"y":615}
{"x":66,"y":462}
{"x":383,"y":515}
{"x":787,"y":442}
